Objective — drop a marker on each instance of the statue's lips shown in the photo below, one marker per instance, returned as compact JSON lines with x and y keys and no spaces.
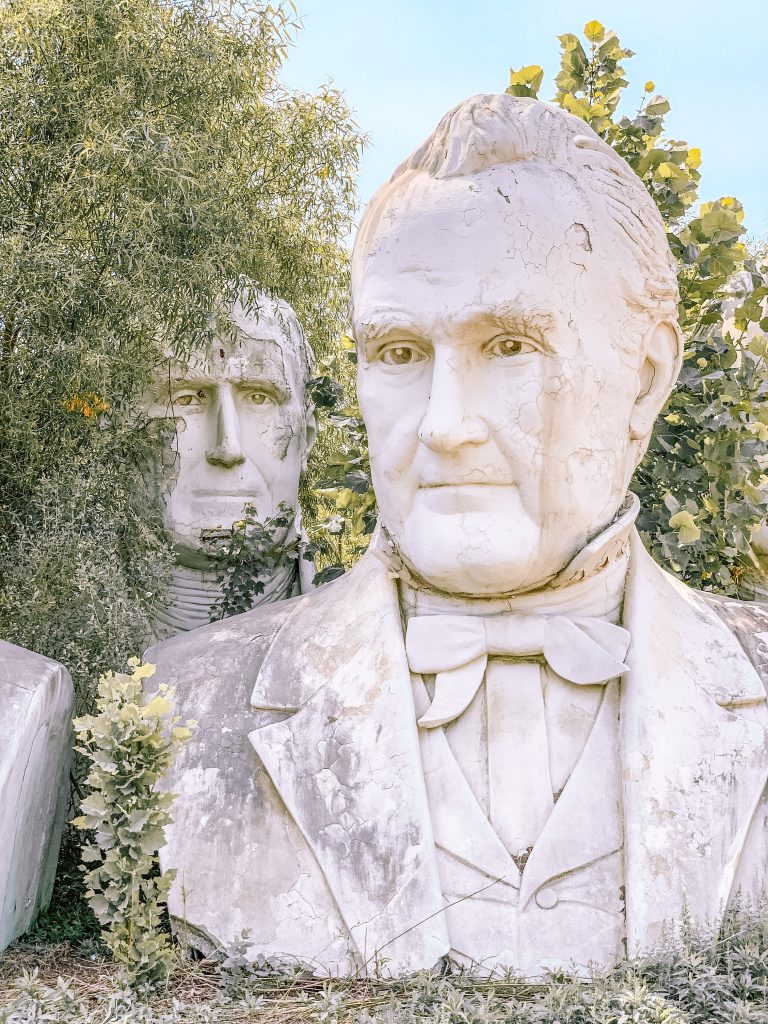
{"x":453,"y":498}
{"x":247,"y":493}
{"x":465,"y":484}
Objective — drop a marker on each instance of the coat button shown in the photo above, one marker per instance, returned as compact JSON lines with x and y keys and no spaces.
{"x":546,"y":898}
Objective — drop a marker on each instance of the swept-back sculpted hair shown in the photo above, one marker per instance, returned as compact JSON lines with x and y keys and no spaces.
{"x":490,"y":130}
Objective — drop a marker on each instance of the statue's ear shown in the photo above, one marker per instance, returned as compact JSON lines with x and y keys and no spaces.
{"x":662,"y":357}
{"x":310,"y":434}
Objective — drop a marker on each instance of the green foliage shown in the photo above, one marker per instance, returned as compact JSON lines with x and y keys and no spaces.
{"x":130,"y":742}
{"x":701,"y":486}
{"x":525,"y":82}
{"x":694,"y":978}
{"x":344,"y":512}
{"x":151,"y":166}
{"x":254,"y":554}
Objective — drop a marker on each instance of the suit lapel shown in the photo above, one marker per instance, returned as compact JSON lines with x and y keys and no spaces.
{"x":459,"y":824}
{"x":586,"y":821}
{"x":694,"y":753}
{"x":347,"y":764}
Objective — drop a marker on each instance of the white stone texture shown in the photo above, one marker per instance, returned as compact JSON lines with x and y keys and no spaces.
{"x":577,"y":747}
{"x":324,"y":847}
{"x":36,"y":705}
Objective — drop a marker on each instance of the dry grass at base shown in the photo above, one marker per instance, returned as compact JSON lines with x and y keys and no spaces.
{"x":200,"y":990}
{"x":698,"y":975}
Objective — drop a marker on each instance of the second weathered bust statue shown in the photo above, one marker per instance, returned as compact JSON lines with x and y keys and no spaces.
{"x":507,"y":736}
{"x":243,"y":428}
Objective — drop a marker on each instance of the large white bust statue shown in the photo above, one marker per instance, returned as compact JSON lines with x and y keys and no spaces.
{"x":506,"y":737}
{"x":36,"y":706}
{"x":244,"y":426}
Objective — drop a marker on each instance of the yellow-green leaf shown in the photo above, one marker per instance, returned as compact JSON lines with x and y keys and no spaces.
{"x":158,"y":707}
{"x":525,"y":82}
{"x":579,"y":107}
{"x":687,"y":530}
{"x":694,"y":158}
{"x":594,"y":31}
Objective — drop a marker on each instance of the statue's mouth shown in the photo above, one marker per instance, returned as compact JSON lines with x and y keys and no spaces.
{"x":216,"y":535}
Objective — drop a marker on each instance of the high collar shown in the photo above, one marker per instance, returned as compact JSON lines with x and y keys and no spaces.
{"x":194,"y":593}
{"x":591,"y":584}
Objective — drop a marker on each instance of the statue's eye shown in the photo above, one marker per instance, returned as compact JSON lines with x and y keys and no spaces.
{"x":505,"y":347}
{"x":190,"y":398}
{"x":257,"y":398}
{"x":402,"y":353}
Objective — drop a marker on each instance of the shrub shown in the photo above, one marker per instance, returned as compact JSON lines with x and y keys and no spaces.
{"x":255,"y":553}
{"x":129,"y":742}
{"x":695,"y":977}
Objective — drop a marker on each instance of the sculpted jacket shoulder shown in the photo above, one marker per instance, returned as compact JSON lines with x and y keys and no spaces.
{"x":302,"y":813}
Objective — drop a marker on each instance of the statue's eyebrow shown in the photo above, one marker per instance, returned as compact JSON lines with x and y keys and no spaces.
{"x":535,"y":321}
{"x":381,"y":326}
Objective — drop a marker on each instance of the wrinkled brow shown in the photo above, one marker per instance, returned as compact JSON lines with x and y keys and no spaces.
{"x":506,"y":316}
{"x":382,"y":324}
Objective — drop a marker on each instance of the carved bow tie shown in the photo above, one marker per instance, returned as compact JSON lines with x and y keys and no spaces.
{"x":456,"y":649}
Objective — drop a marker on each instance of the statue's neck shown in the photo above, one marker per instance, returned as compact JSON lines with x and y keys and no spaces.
{"x":193,"y":594}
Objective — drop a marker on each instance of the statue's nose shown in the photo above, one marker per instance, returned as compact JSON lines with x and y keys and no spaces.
{"x":450,"y":420}
{"x":227,"y":451}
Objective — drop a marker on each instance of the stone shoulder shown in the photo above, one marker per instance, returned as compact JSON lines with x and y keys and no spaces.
{"x":28,"y":670}
{"x":222,"y":650}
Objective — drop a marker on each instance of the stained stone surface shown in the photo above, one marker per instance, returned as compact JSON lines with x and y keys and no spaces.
{"x":506,"y":737}
{"x":36,"y":705}
{"x":244,"y":426}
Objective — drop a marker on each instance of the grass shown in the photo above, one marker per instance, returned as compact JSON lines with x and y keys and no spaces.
{"x":695,"y":977}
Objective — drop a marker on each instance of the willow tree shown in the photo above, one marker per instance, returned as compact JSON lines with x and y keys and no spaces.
{"x":150,"y":164}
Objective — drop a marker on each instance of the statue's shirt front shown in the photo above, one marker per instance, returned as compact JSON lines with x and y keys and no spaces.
{"x":512,"y":776}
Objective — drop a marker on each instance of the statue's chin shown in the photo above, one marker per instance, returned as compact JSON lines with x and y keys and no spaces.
{"x":482,"y":559}
{"x":191,"y":554}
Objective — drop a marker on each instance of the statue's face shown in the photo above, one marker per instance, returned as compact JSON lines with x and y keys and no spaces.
{"x":241,"y":430}
{"x":494,"y":389}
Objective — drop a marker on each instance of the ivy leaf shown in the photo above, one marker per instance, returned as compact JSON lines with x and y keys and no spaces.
{"x":686,"y":527}
{"x":331,"y":572}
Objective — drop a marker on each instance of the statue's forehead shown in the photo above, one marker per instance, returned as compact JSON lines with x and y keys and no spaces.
{"x":240,"y":357}
{"x":486,"y":239}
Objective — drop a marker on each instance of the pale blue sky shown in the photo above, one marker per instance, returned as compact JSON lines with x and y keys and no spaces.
{"x":404,"y":63}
